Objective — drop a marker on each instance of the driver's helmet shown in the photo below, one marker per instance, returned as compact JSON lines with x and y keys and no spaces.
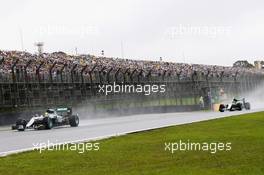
{"x":46,"y":114}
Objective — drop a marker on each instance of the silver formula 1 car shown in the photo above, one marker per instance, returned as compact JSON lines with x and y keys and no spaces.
{"x":236,"y":105}
{"x":51,"y":118}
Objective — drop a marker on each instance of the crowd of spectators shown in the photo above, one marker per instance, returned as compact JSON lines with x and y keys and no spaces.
{"x":59,"y":62}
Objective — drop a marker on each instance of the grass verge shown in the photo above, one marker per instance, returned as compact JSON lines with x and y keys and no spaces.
{"x":143,"y":152}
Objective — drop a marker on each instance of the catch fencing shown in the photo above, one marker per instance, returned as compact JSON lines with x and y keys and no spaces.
{"x":77,"y":86}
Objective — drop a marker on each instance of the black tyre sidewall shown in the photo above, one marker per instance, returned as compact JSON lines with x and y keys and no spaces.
{"x":221,"y":108}
{"x":21,"y":122}
{"x":48,"y":123}
{"x":74,"y":121}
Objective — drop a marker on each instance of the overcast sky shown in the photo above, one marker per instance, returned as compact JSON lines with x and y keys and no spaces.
{"x":204,"y":31}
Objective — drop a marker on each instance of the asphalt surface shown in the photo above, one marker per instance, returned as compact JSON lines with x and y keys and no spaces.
{"x":12,"y":141}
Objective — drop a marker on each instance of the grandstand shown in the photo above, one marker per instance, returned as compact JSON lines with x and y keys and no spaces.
{"x":58,"y":63}
{"x":32,"y":80}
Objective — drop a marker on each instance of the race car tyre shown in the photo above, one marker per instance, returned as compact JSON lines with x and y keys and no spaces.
{"x":222,"y":108}
{"x":239,"y":107}
{"x":247,"y":106}
{"x":21,"y":124}
{"x":13,"y":127}
{"x":47,"y":123}
{"x":74,"y":121}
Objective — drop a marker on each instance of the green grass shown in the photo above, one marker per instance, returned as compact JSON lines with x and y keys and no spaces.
{"x":143,"y":152}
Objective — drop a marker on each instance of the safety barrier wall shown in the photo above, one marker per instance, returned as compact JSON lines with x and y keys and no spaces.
{"x":23,"y":89}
